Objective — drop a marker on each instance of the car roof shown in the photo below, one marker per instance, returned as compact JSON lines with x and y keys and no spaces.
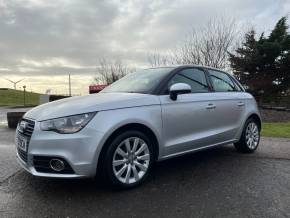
{"x":180,"y":66}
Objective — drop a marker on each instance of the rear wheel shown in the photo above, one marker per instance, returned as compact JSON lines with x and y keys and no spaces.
{"x":128,"y":159}
{"x":250,"y":138}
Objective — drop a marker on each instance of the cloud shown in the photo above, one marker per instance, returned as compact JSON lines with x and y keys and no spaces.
{"x":40,"y":37}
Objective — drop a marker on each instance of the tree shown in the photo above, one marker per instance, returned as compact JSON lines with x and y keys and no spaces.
{"x":263,"y":64}
{"x":157,"y":59}
{"x":207,"y":45}
{"x":111,"y":71}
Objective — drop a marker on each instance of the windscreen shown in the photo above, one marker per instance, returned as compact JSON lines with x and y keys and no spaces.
{"x":143,"y":81}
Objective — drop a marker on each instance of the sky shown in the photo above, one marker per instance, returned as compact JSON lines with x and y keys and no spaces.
{"x":43,"y":41}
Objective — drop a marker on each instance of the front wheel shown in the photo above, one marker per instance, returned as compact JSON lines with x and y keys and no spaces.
{"x":250,"y":138}
{"x":128,"y":159}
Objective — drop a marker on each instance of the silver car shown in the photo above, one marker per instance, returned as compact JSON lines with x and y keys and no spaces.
{"x":147,"y":116}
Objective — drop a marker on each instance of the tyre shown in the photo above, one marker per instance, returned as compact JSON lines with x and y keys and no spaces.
{"x":128,"y":159}
{"x":250,"y":138}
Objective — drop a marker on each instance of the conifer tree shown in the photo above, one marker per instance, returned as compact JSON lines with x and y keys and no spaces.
{"x":263,"y":64}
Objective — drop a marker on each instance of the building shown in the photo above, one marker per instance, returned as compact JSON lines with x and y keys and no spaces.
{"x":96,"y":88}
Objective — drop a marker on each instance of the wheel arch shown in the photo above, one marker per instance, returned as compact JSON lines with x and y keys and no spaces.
{"x":253,"y":115}
{"x":131,"y":126}
{"x":257,"y":118}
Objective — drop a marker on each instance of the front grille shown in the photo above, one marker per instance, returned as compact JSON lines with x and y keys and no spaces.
{"x":22,"y":154}
{"x":25,"y":133}
{"x":28,"y":130}
{"x":41,"y":164}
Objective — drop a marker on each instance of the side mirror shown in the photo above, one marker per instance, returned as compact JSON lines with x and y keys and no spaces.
{"x":178,"y":89}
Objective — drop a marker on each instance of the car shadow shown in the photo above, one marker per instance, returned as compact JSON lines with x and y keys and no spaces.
{"x":163,"y":172}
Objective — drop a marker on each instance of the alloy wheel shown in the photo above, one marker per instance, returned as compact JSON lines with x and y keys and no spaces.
{"x":131,"y":160}
{"x":252,"y":135}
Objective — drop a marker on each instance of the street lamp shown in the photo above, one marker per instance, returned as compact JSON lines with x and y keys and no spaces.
{"x":24,"y":88}
{"x":69,"y":86}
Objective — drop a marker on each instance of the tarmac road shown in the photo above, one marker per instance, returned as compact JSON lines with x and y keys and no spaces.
{"x":215,"y":183}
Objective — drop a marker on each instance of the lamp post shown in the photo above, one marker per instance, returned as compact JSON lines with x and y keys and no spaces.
{"x":24,"y":92}
{"x":69,"y":85}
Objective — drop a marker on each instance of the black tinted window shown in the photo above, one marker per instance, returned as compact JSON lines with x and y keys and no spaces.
{"x":193,"y":77}
{"x":221,"y":82}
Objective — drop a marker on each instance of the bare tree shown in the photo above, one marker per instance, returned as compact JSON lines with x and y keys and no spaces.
{"x":111,"y":71}
{"x":157,"y":59}
{"x":208,"y":45}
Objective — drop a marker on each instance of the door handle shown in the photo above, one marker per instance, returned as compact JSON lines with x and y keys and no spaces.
{"x":240,"y":104}
{"x":210,"y":106}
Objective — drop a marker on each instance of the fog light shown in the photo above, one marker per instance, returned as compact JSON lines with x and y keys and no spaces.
{"x":56,"y":165}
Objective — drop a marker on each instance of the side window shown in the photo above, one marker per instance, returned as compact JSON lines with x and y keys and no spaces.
{"x":193,"y":77}
{"x":221,"y":82}
{"x":238,"y":86}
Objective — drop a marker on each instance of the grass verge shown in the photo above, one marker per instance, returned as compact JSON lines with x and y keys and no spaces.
{"x":14,"y":98}
{"x":276,"y":129}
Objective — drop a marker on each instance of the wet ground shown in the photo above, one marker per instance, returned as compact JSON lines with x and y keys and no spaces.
{"x":214,"y":183}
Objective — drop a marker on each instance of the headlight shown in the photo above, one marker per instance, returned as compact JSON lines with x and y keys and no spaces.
{"x":69,"y":124}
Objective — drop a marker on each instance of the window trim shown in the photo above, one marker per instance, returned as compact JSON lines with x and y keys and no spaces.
{"x":236,"y":86}
{"x":237,"y":83}
{"x":163,"y":85}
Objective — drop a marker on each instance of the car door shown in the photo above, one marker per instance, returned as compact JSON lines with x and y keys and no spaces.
{"x":187,"y":121}
{"x":229,"y":104}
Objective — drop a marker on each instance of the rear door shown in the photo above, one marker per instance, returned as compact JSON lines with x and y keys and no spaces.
{"x":229,"y":104}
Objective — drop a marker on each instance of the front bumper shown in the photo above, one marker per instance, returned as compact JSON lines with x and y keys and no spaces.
{"x":80,"y":150}
{"x":32,"y":171}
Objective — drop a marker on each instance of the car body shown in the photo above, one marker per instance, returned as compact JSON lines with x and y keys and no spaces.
{"x":197,"y":120}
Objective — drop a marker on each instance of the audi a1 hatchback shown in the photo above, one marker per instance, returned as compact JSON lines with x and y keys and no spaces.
{"x":147,"y":116}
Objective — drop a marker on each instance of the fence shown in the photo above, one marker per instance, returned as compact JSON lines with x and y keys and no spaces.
{"x":273,"y":101}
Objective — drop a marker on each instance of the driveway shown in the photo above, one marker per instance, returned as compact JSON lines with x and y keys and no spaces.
{"x":215,"y":183}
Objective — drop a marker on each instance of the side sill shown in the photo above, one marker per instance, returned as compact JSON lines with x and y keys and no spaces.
{"x":196,"y":149}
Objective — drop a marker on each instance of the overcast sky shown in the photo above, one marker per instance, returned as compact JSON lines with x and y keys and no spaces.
{"x":43,"y":41}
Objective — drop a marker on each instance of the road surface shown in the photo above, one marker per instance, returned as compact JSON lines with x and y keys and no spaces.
{"x":214,"y":183}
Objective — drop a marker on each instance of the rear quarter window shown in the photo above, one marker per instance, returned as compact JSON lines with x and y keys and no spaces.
{"x":221,"y":82}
